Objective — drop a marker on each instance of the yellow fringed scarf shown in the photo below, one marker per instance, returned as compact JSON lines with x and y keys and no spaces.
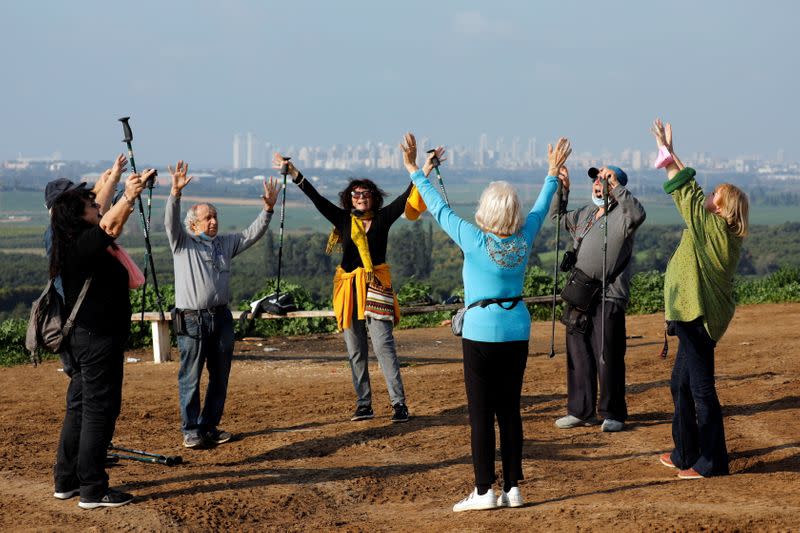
{"x":359,"y":236}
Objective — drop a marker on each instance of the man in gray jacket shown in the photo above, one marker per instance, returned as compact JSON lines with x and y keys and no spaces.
{"x":202,"y":262}
{"x":586,"y":360}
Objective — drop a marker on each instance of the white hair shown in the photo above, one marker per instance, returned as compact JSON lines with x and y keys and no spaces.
{"x":191,"y":216}
{"x":499,"y":210}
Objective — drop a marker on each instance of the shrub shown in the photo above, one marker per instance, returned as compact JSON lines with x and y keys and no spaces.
{"x":647,"y":293}
{"x":12,"y":343}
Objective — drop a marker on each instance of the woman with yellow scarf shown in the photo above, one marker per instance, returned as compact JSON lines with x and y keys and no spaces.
{"x":361,"y":229}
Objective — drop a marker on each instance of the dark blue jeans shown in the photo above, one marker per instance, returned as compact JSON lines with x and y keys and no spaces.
{"x":208,"y":342}
{"x":94,"y":398}
{"x":697,"y":428}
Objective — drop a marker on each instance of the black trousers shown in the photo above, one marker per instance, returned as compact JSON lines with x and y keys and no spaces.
{"x":697,"y":428}
{"x":94,"y":398}
{"x":585,"y":368}
{"x":493,"y":373}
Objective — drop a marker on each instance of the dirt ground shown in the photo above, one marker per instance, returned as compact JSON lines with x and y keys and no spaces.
{"x":299,"y":464}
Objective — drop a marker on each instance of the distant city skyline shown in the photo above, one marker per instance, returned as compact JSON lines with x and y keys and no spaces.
{"x":192,"y":74}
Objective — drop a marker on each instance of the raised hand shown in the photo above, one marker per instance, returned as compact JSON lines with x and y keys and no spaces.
{"x":277,"y":163}
{"x":563,"y":176}
{"x":558,"y":156}
{"x":409,"y":149}
{"x":270,"y":195}
{"x":662,"y":133}
{"x":119,"y":166}
{"x":438,"y":152}
{"x":179,"y":179}
{"x":135,"y":184}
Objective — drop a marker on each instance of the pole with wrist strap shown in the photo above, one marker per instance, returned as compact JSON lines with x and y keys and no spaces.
{"x":145,"y":221}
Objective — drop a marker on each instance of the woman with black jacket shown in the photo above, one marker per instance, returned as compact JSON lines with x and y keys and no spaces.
{"x":84,"y":249}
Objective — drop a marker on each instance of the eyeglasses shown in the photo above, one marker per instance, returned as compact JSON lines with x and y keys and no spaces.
{"x":361,"y":194}
{"x":94,"y":204}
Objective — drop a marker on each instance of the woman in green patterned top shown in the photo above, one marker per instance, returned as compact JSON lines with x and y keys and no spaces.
{"x":698,"y":298}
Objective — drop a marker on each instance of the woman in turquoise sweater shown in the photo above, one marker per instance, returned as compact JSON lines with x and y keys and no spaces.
{"x":698,"y":299}
{"x":495,"y":335}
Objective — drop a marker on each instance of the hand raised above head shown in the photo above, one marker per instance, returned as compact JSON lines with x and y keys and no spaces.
{"x":179,"y":179}
{"x":118,"y":167}
{"x":437,"y":153}
{"x":270,"y":195}
{"x":136,"y":183}
{"x":278,"y":161}
{"x":563,"y":176}
{"x":662,"y":133}
{"x":409,"y":148}
{"x":558,"y":156}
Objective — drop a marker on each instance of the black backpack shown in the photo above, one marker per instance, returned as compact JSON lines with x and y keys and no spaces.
{"x":48,"y":326}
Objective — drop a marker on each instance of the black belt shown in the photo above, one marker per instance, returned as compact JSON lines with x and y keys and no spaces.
{"x":210,"y":310}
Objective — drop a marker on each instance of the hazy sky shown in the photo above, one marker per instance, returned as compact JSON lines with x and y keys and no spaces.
{"x":192,"y":73}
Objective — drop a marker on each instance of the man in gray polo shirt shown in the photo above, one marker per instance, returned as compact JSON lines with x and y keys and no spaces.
{"x":202,"y":262}
{"x":586,"y":364}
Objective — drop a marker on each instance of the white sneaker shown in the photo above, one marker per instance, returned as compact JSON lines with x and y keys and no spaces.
{"x":612,"y":426}
{"x":512,"y":498}
{"x":476,"y":502}
{"x":569,"y":422}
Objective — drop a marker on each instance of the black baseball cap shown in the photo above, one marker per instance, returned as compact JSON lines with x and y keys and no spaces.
{"x":56,"y":188}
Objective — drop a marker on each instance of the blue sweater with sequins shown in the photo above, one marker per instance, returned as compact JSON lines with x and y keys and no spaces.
{"x":493,"y":267}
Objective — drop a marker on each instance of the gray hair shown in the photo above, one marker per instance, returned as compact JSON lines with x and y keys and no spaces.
{"x":191,"y":215}
{"x":499,"y":210}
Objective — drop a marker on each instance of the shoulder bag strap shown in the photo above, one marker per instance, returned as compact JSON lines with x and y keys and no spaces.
{"x":71,"y":320}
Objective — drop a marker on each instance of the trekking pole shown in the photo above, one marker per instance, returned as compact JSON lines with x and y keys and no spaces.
{"x":169,"y":460}
{"x":435,"y":162}
{"x":126,"y":129}
{"x":605,"y":267}
{"x":277,"y":303}
{"x":555,"y":284}
{"x":284,"y":171}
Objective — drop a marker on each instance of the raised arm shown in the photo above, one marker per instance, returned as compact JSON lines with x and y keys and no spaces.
{"x":176,"y":234}
{"x":328,"y":209}
{"x":104,"y":192}
{"x":464,"y":234}
{"x":556,"y":159}
{"x":114,"y":220}
{"x":244,"y":240}
{"x":663,"y":135}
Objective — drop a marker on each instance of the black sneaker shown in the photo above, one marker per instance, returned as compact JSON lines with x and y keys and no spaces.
{"x":112,"y":498}
{"x":66,"y":494}
{"x":218,"y":436}
{"x":363,"y":412}
{"x":400,"y":413}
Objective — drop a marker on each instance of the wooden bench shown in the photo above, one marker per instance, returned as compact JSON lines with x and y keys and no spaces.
{"x":161,"y":328}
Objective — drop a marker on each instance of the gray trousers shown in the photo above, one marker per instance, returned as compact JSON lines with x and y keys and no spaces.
{"x":355,"y":337}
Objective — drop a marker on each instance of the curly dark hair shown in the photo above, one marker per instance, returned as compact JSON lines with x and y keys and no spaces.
{"x":66,"y":221}
{"x":378,"y":194}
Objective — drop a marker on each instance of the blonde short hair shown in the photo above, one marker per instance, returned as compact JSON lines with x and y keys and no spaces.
{"x":499,"y":210}
{"x":734,"y":208}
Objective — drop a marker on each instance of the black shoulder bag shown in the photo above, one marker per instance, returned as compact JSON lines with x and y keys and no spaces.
{"x":457,"y":324}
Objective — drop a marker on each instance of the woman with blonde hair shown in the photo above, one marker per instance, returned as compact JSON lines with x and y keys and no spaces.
{"x":496,"y":326}
{"x":699,"y":304}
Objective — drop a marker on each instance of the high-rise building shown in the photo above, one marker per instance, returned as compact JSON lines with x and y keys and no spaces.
{"x":531,"y":155}
{"x":237,"y":151}
{"x":483,"y":147}
{"x":251,"y":150}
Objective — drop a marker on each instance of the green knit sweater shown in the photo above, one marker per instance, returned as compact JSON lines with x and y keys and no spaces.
{"x":699,"y":277}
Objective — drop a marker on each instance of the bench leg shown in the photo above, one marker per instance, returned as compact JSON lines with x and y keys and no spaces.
{"x":160,"y":330}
